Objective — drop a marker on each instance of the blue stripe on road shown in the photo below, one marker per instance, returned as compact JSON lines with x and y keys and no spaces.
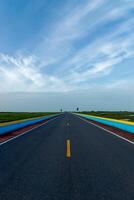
{"x":126,"y":127}
{"x":13,"y":127}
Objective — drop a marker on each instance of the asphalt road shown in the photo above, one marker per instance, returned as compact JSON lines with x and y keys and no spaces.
{"x":35,"y":166}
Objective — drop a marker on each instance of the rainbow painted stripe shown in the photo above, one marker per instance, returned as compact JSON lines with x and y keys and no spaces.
{"x":15,"y":125}
{"x":123,"y":125}
{"x":17,"y":121}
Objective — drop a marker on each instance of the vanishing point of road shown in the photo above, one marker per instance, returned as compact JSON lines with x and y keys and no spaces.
{"x":67,"y":159}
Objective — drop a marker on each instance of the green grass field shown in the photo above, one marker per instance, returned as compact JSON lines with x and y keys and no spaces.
{"x":123,"y":115}
{"x":12,"y":116}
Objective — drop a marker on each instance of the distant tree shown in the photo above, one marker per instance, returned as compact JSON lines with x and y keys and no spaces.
{"x":61,"y":110}
{"x":77,"y":109}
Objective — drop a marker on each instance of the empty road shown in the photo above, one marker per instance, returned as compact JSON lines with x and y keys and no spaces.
{"x":67,"y":159}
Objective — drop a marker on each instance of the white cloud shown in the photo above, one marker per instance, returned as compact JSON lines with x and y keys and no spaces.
{"x":75,"y":49}
{"x":22,"y":74}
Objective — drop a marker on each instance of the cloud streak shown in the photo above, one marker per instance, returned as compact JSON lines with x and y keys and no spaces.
{"x":91,"y":40}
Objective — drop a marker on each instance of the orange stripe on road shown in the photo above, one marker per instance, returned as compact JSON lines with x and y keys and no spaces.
{"x":68,"y":152}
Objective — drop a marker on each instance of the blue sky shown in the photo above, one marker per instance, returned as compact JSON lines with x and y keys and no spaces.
{"x":78,"y":49}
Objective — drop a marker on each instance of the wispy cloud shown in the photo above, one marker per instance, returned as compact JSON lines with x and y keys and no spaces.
{"x":86,"y":44}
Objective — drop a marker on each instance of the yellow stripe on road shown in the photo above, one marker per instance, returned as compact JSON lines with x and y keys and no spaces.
{"x":21,"y":120}
{"x":68,"y":152}
{"x":108,"y":119}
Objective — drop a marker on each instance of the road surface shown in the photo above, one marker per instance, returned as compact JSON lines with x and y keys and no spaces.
{"x":67,"y":159}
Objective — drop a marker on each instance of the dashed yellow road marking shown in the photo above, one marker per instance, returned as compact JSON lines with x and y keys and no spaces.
{"x":68,"y":152}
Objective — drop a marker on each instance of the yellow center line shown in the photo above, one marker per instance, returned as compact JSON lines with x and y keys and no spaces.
{"x":68,"y":152}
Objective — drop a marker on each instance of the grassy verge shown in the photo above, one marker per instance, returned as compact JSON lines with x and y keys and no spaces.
{"x":13,"y":116}
{"x":122,"y":115}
